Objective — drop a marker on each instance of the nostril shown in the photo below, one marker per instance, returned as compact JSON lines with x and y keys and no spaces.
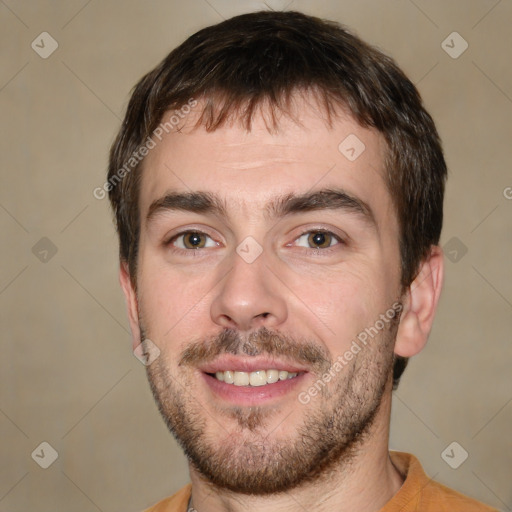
{"x":227,"y":322}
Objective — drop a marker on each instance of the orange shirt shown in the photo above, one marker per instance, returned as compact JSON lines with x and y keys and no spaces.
{"x":417,"y":494}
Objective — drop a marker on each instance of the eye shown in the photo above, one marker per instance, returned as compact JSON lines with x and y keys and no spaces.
{"x":318,"y":239}
{"x":192,"y":240}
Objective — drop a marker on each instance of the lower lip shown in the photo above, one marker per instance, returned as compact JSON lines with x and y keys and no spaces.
{"x":252,"y":395}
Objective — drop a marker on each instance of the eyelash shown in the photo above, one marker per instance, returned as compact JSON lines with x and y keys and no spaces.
{"x":325,"y":251}
{"x":194,"y":252}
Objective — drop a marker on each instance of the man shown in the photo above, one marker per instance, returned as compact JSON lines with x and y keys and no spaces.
{"x":278,"y":191}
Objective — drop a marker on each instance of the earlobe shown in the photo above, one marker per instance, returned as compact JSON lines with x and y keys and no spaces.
{"x":131,"y":303}
{"x":420,"y":305}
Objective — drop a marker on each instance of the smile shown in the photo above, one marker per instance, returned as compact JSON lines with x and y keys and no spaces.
{"x":255,"y":378}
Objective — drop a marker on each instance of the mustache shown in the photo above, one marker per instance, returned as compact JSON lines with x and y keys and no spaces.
{"x":260,"y":342}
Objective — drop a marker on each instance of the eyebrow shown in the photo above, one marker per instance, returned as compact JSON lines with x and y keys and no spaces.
{"x":325,"y":199}
{"x":195,"y":202}
{"x":289,"y":204}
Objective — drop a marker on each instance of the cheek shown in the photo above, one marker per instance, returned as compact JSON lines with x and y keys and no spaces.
{"x":339,"y":303}
{"x":172,"y":302}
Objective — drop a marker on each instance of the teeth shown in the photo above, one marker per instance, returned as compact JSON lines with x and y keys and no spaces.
{"x":241,"y":379}
{"x":257,"y":378}
{"x":272,"y":376}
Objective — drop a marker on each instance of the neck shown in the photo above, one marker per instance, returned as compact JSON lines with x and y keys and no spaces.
{"x":366,"y":483}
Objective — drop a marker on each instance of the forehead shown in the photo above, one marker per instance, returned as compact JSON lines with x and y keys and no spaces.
{"x":248,"y":168}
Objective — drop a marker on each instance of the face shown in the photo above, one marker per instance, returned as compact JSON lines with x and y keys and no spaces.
{"x":263,"y":260}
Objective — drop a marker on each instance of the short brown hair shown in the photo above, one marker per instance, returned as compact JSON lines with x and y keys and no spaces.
{"x":266,"y":57}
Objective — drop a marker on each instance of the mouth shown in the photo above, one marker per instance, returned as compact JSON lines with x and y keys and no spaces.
{"x":252,"y":381}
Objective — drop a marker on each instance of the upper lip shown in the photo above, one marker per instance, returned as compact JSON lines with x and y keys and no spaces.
{"x":249,"y":364}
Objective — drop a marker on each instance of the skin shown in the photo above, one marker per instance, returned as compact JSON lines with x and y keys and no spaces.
{"x":186,"y":299}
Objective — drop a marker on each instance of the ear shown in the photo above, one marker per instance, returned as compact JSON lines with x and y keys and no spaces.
{"x":420,"y":305}
{"x":131,"y":303}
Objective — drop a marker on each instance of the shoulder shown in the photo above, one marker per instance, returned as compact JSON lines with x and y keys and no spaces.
{"x":421,"y":493}
{"x":452,"y":500}
{"x":175,"y":503}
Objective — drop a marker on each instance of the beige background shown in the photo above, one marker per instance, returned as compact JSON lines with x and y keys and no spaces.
{"x":68,"y":376}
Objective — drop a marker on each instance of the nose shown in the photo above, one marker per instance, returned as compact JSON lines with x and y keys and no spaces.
{"x":249,"y":297}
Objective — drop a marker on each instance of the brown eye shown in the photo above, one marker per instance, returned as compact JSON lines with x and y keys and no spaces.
{"x":320,"y":239}
{"x":187,"y":240}
{"x":194,"y":240}
{"x":191,"y":240}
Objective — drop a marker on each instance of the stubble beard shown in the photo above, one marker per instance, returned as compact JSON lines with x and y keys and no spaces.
{"x":249,"y":458}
